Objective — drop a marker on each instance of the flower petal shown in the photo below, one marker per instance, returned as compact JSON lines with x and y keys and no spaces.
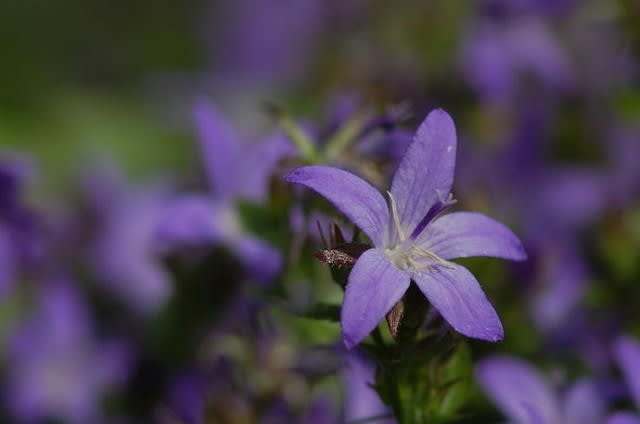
{"x":220,"y":146}
{"x":627,"y":354}
{"x":518,"y":390}
{"x":425,"y":174}
{"x":261,"y":260}
{"x":456,"y":294}
{"x":190,"y":220}
{"x":465,"y":234}
{"x":564,"y":282}
{"x":356,"y":198}
{"x":374,"y":286}
{"x":257,"y":165}
{"x":583,"y":404}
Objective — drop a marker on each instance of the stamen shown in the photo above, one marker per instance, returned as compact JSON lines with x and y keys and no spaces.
{"x":416,"y":258}
{"x":396,"y":217}
{"x":435,"y":257}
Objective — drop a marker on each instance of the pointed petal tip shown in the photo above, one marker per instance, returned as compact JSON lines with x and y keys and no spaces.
{"x":457,"y":295}
{"x":520,"y":254}
{"x":494,"y":333}
{"x":439,"y":113}
{"x":295,"y":176}
{"x":440,"y":118}
{"x":490,"y":332}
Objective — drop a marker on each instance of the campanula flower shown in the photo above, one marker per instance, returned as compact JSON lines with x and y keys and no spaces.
{"x":526,"y":397}
{"x":412,"y":241}
{"x":236,"y":171}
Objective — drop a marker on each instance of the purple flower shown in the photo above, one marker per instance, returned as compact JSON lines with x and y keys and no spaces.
{"x":496,"y":57}
{"x":123,"y":252}
{"x":236,"y":171}
{"x":56,"y":368}
{"x":525,"y":397}
{"x":412,"y":241}
{"x":627,"y":353}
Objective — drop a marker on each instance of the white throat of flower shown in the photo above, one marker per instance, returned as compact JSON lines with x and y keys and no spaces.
{"x":403,"y":251}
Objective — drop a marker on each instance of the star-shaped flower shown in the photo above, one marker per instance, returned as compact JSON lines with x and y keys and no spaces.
{"x":412,"y":241}
{"x":236,"y":171}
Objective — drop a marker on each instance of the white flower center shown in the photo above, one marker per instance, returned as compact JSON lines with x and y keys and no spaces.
{"x":404,"y":253}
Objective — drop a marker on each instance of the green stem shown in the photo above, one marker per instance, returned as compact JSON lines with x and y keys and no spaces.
{"x":390,"y":380}
{"x":297,"y":136}
{"x":345,"y":135}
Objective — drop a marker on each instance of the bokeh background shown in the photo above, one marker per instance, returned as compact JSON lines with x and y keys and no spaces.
{"x":97,"y":131}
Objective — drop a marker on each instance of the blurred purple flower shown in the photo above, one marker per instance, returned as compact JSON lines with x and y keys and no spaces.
{"x":236,"y":171}
{"x":56,"y":367}
{"x":497,"y":57}
{"x":361,"y":399}
{"x":20,"y":242}
{"x":524,"y":396}
{"x":123,"y":252}
{"x":564,"y":276}
{"x":265,"y":42}
{"x":627,"y":353}
{"x":411,"y":240}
